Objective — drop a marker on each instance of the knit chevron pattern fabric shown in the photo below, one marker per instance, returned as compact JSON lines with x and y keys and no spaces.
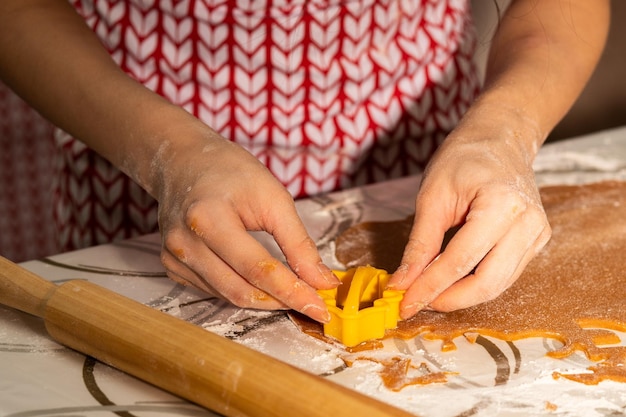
{"x":328,"y":94}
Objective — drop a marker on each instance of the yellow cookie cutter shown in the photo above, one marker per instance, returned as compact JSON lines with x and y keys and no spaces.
{"x":361,"y":309}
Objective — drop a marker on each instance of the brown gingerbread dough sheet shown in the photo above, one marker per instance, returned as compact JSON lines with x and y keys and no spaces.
{"x":573,"y":291}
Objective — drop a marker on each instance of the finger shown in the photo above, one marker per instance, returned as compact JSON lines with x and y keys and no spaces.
{"x":191,"y":261}
{"x":482,"y":230}
{"x":423,"y":245}
{"x":250,"y":260}
{"x":301,"y":252}
{"x":497,"y":272}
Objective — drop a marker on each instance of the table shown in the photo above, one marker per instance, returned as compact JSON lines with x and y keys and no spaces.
{"x":38,"y":377}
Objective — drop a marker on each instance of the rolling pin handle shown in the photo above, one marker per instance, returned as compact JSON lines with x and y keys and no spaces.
{"x":23,"y":290}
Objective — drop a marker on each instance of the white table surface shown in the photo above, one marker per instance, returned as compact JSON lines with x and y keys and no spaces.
{"x":39,"y":377}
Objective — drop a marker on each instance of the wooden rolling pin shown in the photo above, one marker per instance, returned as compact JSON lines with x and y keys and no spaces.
{"x":177,"y":356}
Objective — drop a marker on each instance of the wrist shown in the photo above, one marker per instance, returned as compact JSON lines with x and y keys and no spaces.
{"x":159,"y":143}
{"x":493,"y":119}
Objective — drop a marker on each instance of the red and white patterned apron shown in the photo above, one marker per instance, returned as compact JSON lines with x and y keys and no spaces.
{"x":328,"y":94}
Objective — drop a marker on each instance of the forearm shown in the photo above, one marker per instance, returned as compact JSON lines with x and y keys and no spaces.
{"x":542,"y":55}
{"x":55,"y":62}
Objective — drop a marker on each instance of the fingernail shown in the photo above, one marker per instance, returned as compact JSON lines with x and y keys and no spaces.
{"x":319,"y":314}
{"x":326,"y":318}
{"x":328,"y":275}
{"x":400,"y":272}
{"x":410,"y":310}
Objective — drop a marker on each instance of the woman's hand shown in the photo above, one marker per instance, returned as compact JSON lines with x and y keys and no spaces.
{"x":481,"y":178}
{"x":482,"y":181}
{"x":212,"y":192}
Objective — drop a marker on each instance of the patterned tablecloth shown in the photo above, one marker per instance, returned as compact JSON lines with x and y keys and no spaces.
{"x":40,"y":377}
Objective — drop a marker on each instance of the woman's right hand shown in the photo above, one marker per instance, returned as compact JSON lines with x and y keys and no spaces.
{"x":211,"y":192}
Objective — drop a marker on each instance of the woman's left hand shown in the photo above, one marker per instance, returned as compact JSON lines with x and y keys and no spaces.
{"x":481,"y":179}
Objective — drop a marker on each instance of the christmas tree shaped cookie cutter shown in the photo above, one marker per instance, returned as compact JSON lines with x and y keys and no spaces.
{"x":361,"y":308}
